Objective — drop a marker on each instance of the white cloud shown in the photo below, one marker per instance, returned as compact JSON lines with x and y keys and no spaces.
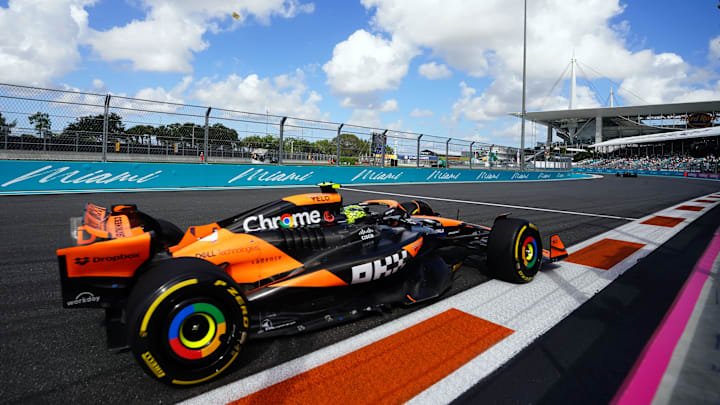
{"x":389,"y":105}
{"x":98,"y":84}
{"x":433,"y":71}
{"x":38,"y":40}
{"x":172,"y":31}
{"x":365,"y":117}
{"x":282,"y":95}
{"x":417,"y":113}
{"x":366,"y":63}
{"x":484,"y":39}
{"x":714,"y":54}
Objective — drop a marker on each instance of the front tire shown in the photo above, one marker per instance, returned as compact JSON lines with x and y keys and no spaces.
{"x":187,"y":320}
{"x":514,"y":252}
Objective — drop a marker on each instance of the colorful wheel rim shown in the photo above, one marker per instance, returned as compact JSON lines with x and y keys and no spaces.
{"x":529,"y":252}
{"x":195,"y":331}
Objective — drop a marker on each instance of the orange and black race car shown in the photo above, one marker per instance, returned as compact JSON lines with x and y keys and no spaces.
{"x":186,"y":302}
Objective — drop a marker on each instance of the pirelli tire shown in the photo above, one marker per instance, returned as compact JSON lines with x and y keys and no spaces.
{"x":514,"y":251}
{"x":187,"y":321}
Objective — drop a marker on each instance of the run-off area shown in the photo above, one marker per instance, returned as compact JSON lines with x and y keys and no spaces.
{"x":59,"y":355}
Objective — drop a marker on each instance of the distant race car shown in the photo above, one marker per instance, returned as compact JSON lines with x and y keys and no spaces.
{"x":186,"y":302}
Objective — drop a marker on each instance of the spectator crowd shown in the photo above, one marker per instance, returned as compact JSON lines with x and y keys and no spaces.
{"x":673,"y":162}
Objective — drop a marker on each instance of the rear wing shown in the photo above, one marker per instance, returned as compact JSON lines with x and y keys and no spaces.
{"x":98,"y":224}
{"x":557,"y":250}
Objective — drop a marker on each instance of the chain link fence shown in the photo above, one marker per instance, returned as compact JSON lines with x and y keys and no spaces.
{"x":48,"y":124}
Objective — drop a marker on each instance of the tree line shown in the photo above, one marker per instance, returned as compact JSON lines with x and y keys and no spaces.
{"x":89,"y":129}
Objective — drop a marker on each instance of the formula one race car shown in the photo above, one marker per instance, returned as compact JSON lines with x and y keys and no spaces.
{"x":186,"y":302}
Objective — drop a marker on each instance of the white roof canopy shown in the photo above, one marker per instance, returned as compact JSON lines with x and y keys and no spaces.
{"x":662,"y":137}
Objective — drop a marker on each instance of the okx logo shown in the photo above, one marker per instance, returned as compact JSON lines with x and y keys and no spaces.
{"x":81,"y":261}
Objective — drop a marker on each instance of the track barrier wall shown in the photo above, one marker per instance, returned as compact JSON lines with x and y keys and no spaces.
{"x":667,"y":173}
{"x":17,"y":177}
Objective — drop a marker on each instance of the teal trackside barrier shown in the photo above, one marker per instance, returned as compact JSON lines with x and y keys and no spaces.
{"x":668,"y":173}
{"x":42,"y":176}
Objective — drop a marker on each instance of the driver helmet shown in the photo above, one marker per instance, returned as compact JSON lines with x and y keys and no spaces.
{"x":353,"y":213}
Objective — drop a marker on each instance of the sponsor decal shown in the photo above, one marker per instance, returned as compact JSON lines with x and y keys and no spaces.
{"x":544,"y":176}
{"x":376,"y":269}
{"x":487,"y":176}
{"x":49,"y":173}
{"x":264,"y":260}
{"x":700,"y":120}
{"x":84,"y":297}
{"x":366,"y":234}
{"x":81,"y":261}
{"x":259,"y":222}
{"x":443,"y":175}
{"x":268,"y":325}
{"x":520,"y":176}
{"x":152,"y":364}
{"x":222,"y":252}
{"x":278,"y":176}
{"x":328,"y":217}
{"x":367,"y":174}
{"x":319,"y":197}
{"x":119,"y":227}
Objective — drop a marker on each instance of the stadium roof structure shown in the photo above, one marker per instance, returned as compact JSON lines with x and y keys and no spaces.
{"x":595,"y":125}
{"x":661,"y":137}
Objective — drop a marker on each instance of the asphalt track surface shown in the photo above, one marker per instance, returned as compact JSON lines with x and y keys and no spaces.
{"x":53,"y":355}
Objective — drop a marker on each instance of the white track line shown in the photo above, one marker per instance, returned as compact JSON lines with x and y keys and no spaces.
{"x":585,"y":214}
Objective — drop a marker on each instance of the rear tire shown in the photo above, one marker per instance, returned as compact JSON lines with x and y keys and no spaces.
{"x":187,"y":320}
{"x":514,"y":252}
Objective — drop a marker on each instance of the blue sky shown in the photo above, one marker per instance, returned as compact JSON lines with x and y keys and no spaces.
{"x":449,"y":68}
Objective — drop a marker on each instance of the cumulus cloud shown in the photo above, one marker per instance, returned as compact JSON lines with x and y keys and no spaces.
{"x":281,"y":95}
{"x":484,"y":40}
{"x":433,"y":71}
{"x":172,"y":31}
{"x":417,"y":113}
{"x":714,"y":53}
{"x":366,"y":63}
{"x":39,"y":40}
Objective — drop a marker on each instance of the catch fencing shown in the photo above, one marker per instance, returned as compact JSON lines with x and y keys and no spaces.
{"x":51,"y":124}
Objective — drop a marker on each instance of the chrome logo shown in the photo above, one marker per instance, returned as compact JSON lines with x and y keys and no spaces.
{"x":286,"y":221}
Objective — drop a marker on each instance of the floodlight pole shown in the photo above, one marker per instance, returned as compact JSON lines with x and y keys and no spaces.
{"x":384,"y":139}
{"x":471,"y":153}
{"x":338,"y":143}
{"x":417,"y":156}
{"x":207,"y":134}
{"x":280,"y":141}
{"x":522,"y":126}
{"x":447,"y":153}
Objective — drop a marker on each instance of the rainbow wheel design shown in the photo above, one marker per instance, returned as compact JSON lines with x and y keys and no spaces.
{"x":529,"y":252}
{"x":195,"y":331}
{"x":514,"y":250}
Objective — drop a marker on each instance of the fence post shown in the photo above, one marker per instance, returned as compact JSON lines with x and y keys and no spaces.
{"x":42,"y":131}
{"x":280,"y":144}
{"x":105,"y":128}
{"x":338,"y":144}
{"x":417,"y":156}
{"x":207,"y":134}
{"x":447,"y":153}
{"x":471,"y":154}
{"x":384,"y":146}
